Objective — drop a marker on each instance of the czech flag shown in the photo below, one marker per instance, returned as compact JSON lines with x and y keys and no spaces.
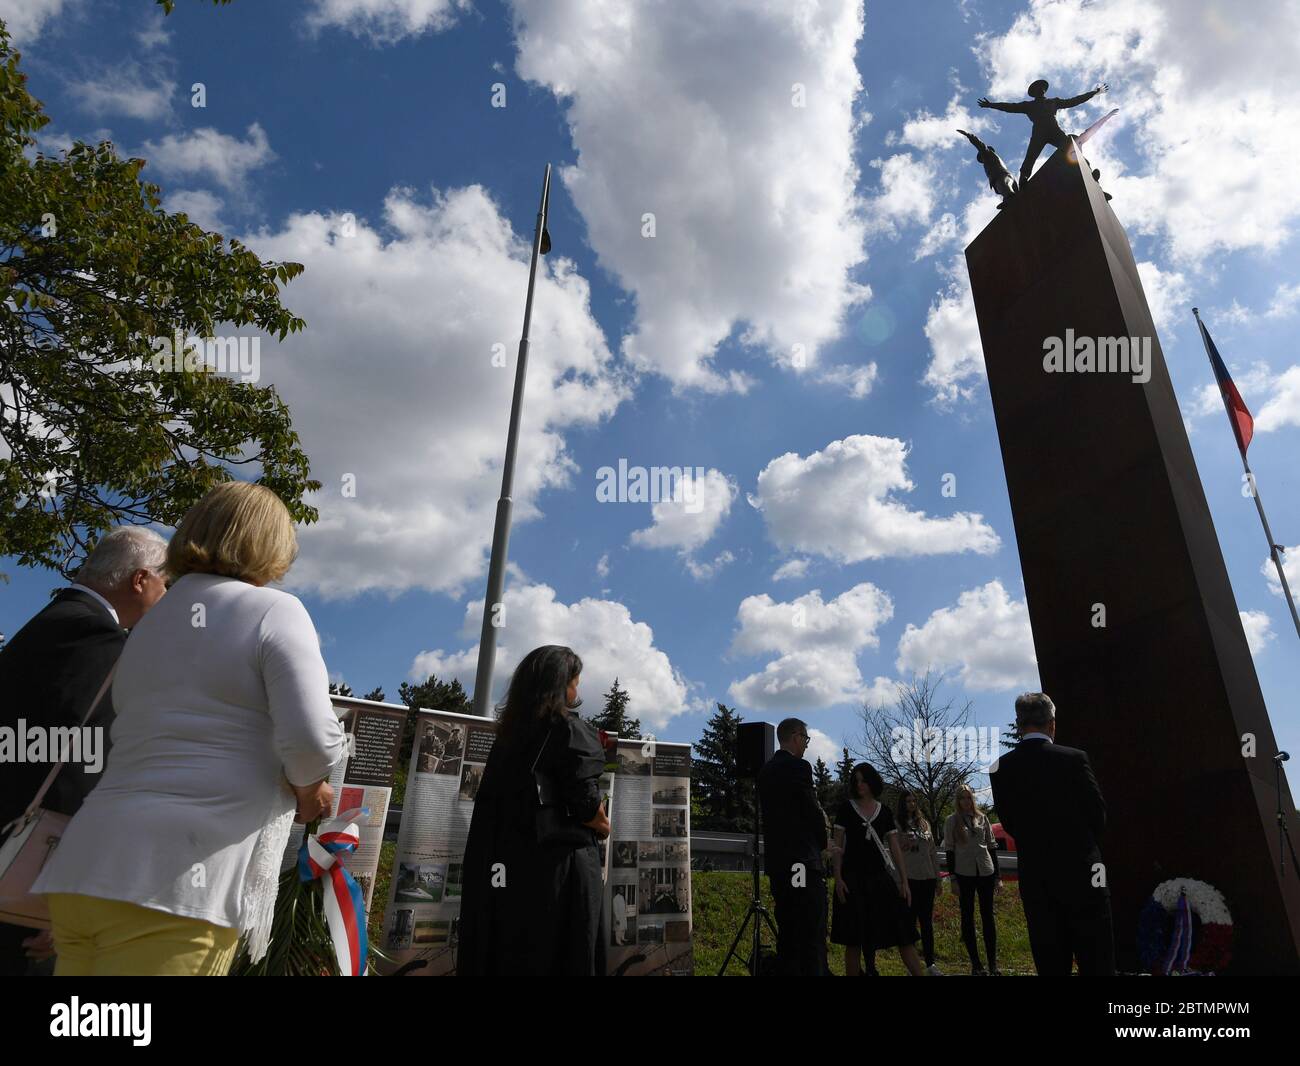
{"x":1243,"y":426}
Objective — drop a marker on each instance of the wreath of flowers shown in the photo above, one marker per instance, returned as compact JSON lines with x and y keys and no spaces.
{"x":1205,"y":920}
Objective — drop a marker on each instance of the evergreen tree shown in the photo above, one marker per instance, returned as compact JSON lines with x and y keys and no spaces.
{"x":375,"y":694}
{"x":824,"y":783}
{"x":844,"y":768}
{"x":727,"y":802}
{"x":340,"y":690}
{"x":1011,"y":737}
{"x":614,"y":718}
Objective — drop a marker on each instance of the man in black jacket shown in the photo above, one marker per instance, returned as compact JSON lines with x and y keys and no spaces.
{"x":51,"y":670}
{"x":1048,"y":800}
{"x":794,"y":837}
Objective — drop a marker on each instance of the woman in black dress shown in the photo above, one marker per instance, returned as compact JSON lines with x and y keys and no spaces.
{"x":533,"y":891}
{"x":872,"y":908}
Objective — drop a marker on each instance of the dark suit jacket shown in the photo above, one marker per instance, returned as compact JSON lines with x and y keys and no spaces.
{"x":1048,"y":800}
{"x":49,"y":673}
{"x":794,"y":827}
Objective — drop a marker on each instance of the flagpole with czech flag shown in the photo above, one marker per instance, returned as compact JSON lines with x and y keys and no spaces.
{"x":1243,"y":428}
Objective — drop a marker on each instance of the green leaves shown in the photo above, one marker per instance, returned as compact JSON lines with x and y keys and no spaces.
{"x":300,"y":939}
{"x":93,"y":275}
{"x":169,"y":6}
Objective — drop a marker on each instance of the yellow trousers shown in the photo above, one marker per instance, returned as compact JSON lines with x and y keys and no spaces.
{"x":108,"y":938}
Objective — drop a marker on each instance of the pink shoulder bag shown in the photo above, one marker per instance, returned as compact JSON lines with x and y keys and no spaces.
{"x":30,"y":840}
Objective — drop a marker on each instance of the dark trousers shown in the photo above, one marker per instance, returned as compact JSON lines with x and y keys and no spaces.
{"x":800,"y":925}
{"x":1062,"y":931}
{"x":13,"y":956}
{"x":970,"y":887}
{"x":1037,"y":142}
{"x":923,"y":913}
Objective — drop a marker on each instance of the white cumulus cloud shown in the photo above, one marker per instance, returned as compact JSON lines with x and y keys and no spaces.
{"x":985,"y":636}
{"x":817,"y":643}
{"x":1210,"y":89}
{"x":25,"y":19}
{"x":1290,"y":567}
{"x":395,"y":385}
{"x":127,"y":90}
{"x":609,"y":641}
{"x":690,"y":112}
{"x":790,"y":570}
{"x":386,"y":21}
{"x":956,"y":364}
{"x":211,"y":154}
{"x":803,"y":500}
{"x":907,"y":193}
{"x":1259,"y":629}
{"x":699,"y":505}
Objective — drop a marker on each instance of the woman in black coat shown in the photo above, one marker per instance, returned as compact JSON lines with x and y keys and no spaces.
{"x":532,"y":902}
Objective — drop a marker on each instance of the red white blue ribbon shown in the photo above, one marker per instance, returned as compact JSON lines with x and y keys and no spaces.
{"x":1180,"y":946}
{"x":321,"y":856}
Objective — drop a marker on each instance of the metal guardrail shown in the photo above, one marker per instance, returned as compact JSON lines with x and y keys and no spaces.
{"x":728,"y":846}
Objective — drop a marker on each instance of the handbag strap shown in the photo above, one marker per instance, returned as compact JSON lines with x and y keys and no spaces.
{"x":875,"y":838}
{"x":54,"y":771}
{"x":538,"y":778}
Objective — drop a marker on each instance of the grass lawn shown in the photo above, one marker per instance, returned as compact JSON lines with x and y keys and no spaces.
{"x":720,"y":900}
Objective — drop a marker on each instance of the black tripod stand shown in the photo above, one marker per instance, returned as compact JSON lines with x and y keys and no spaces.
{"x":1283,"y":834}
{"x":757,"y":913}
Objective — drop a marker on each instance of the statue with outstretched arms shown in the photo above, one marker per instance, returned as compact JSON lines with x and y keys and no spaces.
{"x":1000,"y":179}
{"x":1042,"y":110}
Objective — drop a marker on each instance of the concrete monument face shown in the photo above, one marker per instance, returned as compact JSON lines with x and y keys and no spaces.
{"x":1136,"y":629}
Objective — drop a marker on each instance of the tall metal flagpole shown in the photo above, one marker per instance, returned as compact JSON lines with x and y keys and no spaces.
{"x":1274,"y":549}
{"x":487,"y":644}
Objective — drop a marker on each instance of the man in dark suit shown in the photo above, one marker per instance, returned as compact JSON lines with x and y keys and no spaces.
{"x":794,"y":837}
{"x":1048,"y":800}
{"x":51,"y":670}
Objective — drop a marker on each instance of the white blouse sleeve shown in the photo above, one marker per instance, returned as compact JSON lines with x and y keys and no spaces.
{"x":308,"y":735}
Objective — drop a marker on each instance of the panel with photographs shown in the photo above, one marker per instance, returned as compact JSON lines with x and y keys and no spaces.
{"x":448,"y":759}
{"x":442,"y":744}
{"x":649,"y":892}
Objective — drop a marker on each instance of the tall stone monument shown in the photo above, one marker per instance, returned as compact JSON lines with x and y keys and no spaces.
{"x":1136,"y":628}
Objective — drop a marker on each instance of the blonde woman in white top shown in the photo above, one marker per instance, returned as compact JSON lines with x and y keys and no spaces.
{"x":224,"y":730}
{"x":973,"y":865}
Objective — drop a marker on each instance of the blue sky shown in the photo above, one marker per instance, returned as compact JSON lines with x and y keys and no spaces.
{"x":798,"y":326}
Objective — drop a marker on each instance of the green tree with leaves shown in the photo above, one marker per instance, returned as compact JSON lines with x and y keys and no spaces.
{"x":614,"y":717}
{"x":169,"y":6}
{"x":96,"y":279}
{"x":727,"y":802}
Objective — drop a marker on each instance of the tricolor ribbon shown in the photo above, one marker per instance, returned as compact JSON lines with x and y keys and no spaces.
{"x":345,"y":906}
{"x":1180,"y":946}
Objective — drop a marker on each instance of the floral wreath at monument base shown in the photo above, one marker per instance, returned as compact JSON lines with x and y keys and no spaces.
{"x":1185,"y":929}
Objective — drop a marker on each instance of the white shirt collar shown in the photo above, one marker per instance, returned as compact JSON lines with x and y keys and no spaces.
{"x":107,"y":606}
{"x":1036,"y":736}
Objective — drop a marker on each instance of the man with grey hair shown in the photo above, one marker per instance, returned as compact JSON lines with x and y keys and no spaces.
{"x":50,"y":672}
{"x":1049,"y":802}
